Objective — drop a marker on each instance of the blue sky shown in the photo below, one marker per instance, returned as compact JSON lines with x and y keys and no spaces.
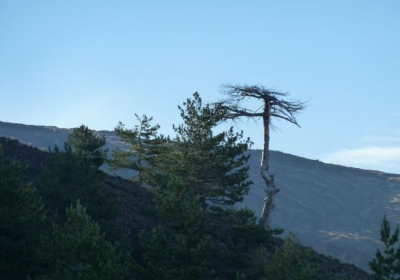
{"x":65,"y":63}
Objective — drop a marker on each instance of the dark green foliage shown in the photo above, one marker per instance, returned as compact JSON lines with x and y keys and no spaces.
{"x":292,"y":262}
{"x":68,"y":176}
{"x":236,"y":236}
{"x":240,"y":276}
{"x":196,"y":178}
{"x":386,"y":265}
{"x":78,"y":250}
{"x":88,"y":143}
{"x":141,"y":140}
{"x":212,"y":164}
{"x":21,"y":219}
{"x":178,"y":249}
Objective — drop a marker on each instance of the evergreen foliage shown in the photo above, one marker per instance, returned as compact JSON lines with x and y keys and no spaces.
{"x":196,"y":177}
{"x":68,"y":176}
{"x":141,"y":140}
{"x":236,"y":236}
{"x":78,"y":250}
{"x":178,"y":249}
{"x":86,"y":142}
{"x":386,"y":265}
{"x":292,"y":262}
{"x":212,"y":164}
{"x":21,"y":219}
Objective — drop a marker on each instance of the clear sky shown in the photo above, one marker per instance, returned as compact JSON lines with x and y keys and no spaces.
{"x":65,"y":63}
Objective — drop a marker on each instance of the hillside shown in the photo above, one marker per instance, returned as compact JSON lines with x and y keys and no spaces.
{"x":135,"y":201}
{"x":336,"y":209}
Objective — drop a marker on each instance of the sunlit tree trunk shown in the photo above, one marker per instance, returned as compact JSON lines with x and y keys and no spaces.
{"x":274,"y":107}
{"x":271,"y":190}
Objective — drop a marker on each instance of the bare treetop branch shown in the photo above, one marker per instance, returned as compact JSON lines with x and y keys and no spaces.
{"x":274,"y":105}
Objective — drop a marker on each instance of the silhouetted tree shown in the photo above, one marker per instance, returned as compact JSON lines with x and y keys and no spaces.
{"x":89,"y":143}
{"x":292,"y":262}
{"x":178,"y":249}
{"x":68,"y":176}
{"x":77,"y":250}
{"x":273,"y":106}
{"x":141,"y":140}
{"x":21,"y":220}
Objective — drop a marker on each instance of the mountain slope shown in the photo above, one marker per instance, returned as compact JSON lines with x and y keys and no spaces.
{"x":336,"y":209}
{"x":135,"y":201}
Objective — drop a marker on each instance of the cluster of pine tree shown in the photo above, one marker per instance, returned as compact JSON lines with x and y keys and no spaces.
{"x":46,"y":232}
{"x":63,"y":225}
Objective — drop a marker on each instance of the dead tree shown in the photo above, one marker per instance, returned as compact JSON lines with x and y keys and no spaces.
{"x":273,"y":106}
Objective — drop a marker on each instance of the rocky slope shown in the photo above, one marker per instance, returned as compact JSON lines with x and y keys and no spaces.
{"x":335,"y":209}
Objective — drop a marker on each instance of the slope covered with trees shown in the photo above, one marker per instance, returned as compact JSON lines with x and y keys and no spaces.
{"x":89,"y":225}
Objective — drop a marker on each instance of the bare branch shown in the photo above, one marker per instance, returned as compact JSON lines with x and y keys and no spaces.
{"x":273,"y":106}
{"x":271,"y":99}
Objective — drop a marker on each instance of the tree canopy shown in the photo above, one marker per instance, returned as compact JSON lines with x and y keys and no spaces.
{"x":141,"y":140}
{"x":78,"y":250}
{"x":87,"y":142}
{"x":22,"y":217}
{"x":213,"y":164}
{"x":386,"y":265}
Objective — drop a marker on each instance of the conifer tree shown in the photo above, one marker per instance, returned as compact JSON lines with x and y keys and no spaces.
{"x":68,"y":176}
{"x":292,"y":262}
{"x":178,"y":249}
{"x":386,"y":265}
{"x":87,"y":142}
{"x":213,"y":164}
{"x":78,"y":250}
{"x":21,"y":219}
{"x":141,"y":140}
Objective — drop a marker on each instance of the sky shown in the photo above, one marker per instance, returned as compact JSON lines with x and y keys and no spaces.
{"x":66,"y":63}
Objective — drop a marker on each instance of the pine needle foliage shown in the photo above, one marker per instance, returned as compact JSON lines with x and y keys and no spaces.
{"x":78,"y":250}
{"x":88,"y":143}
{"x":179,"y":248}
{"x":68,"y":176}
{"x":213,"y":164}
{"x":21,"y":218}
{"x":292,"y":262}
{"x":141,"y":140}
{"x":386,"y":265}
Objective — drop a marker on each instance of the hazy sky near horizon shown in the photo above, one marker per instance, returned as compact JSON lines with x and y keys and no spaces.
{"x":66,"y":63}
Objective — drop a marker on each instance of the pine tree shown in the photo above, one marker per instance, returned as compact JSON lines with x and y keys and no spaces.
{"x":21,"y":220}
{"x":87,"y":142}
{"x":178,"y":249}
{"x":292,"y":262}
{"x":213,"y":164}
{"x":386,"y":266}
{"x":141,"y":140}
{"x":78,"y":250}
{"x":68,"y":176}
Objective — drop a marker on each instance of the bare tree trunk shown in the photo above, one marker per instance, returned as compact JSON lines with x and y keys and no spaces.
{"x":271,"y":190}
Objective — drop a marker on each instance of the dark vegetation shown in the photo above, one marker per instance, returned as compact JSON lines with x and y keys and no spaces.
{"x":386,"y":265}
{"x":62,"y":218}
